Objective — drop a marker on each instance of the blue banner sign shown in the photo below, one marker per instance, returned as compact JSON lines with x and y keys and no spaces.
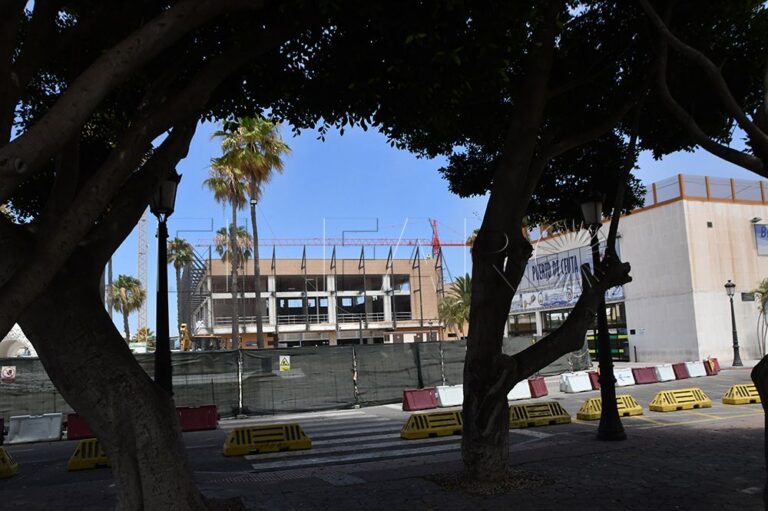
{"x":554,"y":281}
{"x":761,"y":239}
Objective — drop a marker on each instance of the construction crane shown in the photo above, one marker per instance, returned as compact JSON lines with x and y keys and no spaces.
{"x":143,"y":252}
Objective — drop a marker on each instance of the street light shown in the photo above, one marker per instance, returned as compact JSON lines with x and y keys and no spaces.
{"x":161,"y":205}
{"x":610,"y":427}
{"x":730,"y":288}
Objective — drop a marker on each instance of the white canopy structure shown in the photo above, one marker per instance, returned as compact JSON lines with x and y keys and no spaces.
{"x":16,"y":344}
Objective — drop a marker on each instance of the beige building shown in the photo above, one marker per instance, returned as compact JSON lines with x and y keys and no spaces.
{"x":311,"y":302}
{"x":693,"y":235}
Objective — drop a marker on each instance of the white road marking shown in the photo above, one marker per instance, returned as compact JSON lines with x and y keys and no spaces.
{"x":359,"y":457}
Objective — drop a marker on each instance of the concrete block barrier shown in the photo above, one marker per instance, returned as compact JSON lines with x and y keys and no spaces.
{"x":520,"y":391}
{"x":664,"y":372}
{"x":695,"y":369}
{"x":264,"y":439}
{"x":712,"y":366}
{"x":592,"y":408}
{"x":624,"y":377}
{"x":433,"y":424}
{"x":35,"y":428}
{"x":575,"y":382}
{"x":742,"y":394}
{"x":199,"y":418}
{"x":450,"y":395}
{"x":537,"y":414}
{"x":594,"y":380}
{"x":8,"y":467}
{"x":681,"y":399}
{"x":419,"y":399}
{"x":77,"y":429}
{"x":538,"y":387}
{"x":644,"y":375}
{"x":681,"y":371}
{"x":88,"y":454}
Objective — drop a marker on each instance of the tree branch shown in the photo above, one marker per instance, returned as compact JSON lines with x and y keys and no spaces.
{"x":688,"y":123}
{"x":758,"y":138}
{"x":569,"y":337}
{"x":581,"y":137}
{"x":124,"y":212}
{"x":11,"y":12}
{"x":26,"y":154}
{"x":62,"y":239}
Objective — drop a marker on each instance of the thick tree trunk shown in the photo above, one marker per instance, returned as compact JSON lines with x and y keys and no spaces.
{"x":760,"y":379}
{"x":257,"y":277}
{"x":234,"y":260}
{"x":486,"y":421}
{"x":95,"y":372}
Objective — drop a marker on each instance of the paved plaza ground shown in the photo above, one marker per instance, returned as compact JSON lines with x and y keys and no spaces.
{"x":697,"y":459}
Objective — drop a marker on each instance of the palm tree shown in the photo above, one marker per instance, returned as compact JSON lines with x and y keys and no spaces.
{"x":453,"y":310}
{"x":128,"y":295}
{"x":253,"y":146}
{"x":228,"y":187}
{"x":180,"y":254}
{"x":243,"y":245}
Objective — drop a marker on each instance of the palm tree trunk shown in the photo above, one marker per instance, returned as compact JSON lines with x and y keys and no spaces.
{"x":126,"y":328}
{"x":234,"y":260}
{"x":257,"y":276}
{"x":178,"y":298}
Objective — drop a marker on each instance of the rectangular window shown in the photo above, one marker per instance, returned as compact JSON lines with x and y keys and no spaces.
{"x":401,"y":307}
{"x":522,"y":325}
{"x":289,"y":283}
{"x":374,"y":282}
{"x":349,"y":283}
{"x":401,"y":282}
{"x":316,"y":283}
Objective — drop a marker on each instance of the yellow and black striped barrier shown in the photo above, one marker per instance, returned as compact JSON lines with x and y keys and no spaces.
{"x":744,"y":394}
{"x":8,"y":467}
{"x":682,"y":399}
{"x":88,"y":454}
{"x":428,"y":425}
{"x":539,"y":414}
{"x":593,"y":408}
{"x":262,"y":439}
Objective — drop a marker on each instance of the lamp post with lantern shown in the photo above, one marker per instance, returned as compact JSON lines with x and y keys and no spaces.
{"x":730,"y":288}
{"x":610,"y":427}
{"x":162,"y":205}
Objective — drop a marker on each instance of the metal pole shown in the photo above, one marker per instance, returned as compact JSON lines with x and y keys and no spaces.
{"x":610,"y":427}
{"x":736,"y":357}
{"x":163,"y":368}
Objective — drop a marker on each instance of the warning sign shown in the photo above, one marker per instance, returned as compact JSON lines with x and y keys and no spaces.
{"x":285,"y":363}
{"x":8,"y":374}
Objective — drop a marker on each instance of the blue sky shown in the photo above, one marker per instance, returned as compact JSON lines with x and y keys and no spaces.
{"x":346,"y":183}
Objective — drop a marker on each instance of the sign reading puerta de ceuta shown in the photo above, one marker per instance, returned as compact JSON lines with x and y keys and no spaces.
{"x":554,"y":281}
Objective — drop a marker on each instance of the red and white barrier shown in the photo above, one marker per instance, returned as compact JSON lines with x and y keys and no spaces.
{"x":575,"y":382}
{"x":664,"y":372}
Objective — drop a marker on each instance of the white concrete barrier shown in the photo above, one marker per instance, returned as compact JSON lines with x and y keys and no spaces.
{"x":450,"y":395}
{"x":664,"y":372}
{"x":34,"y":428}
{"x":575,"y":382}
{"x":520,"y":391}
{"x":624,"y":377}
{"x":695,"y":369}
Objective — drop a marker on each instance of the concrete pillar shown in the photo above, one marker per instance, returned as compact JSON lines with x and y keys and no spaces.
{"x":272,"y":300}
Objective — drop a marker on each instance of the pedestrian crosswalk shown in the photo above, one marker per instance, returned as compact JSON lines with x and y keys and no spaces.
{"x":351,"y":439}
{"x":359,"y":438}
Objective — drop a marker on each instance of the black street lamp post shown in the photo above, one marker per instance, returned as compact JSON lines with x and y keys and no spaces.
{"x":730,"y":288}
{"x":610,"y":427}
{"x":162,"y":205}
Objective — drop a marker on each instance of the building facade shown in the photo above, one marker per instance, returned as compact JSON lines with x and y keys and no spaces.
{"x":693,"y":235}
{"x":311,"y":302}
